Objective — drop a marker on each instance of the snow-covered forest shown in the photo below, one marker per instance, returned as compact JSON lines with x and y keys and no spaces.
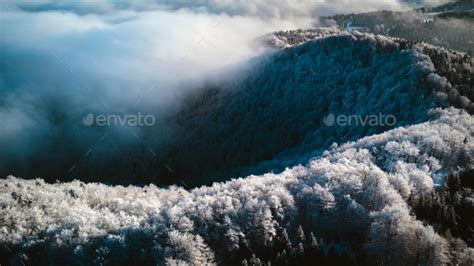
{"x":448,"y":25}
{"x":355,"y":201}
{"x":274,"y":117}
{"x":248,"y":162}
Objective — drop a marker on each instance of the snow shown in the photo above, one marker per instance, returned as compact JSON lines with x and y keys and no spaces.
{"x":358,"y":188}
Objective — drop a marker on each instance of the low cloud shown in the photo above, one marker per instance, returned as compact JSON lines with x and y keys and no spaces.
{"x":60,"y":66}
{"x":64,"y":59}
{"x":287,"y":9}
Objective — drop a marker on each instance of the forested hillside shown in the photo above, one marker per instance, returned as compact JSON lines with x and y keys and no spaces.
{"x":237,"y":132}
{"x":269,"y":116}
{"x":352,"y":205}
{"x":273,"y":116}
{"x":449,"y":26}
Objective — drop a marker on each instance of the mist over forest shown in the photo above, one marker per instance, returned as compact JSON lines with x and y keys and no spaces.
{"x":236,"y":133}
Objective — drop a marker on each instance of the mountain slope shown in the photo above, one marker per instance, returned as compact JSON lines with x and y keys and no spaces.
{"x":320,"y":191}
{"x":272,"y":117}
{"x":357,"y":198}
{"x":449,"y":25}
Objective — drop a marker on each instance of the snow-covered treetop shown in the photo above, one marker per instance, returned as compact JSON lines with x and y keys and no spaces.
{"x":361,"y":188}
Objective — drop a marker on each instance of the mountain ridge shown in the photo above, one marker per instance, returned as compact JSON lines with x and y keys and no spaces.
{"x":366,"y":187}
